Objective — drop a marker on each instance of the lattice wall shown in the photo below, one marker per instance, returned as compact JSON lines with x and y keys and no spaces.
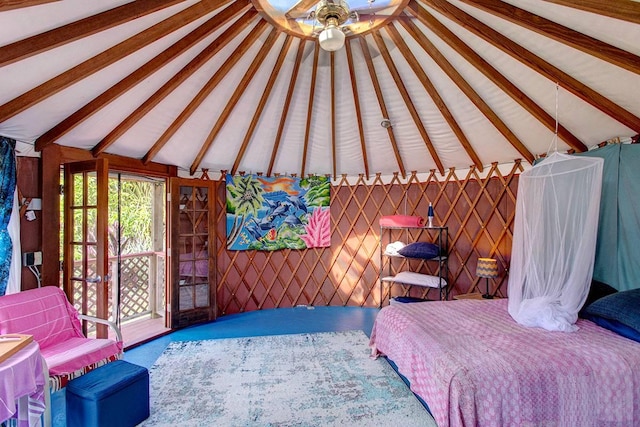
{"x":478,"y":211}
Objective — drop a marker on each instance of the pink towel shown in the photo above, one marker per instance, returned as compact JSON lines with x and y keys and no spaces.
{"x":401,"y":221}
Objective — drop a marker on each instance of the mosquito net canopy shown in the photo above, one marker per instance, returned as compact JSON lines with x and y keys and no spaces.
{"x":554,"y":241}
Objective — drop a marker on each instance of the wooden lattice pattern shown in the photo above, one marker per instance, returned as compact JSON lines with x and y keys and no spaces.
{"x":478,"y":209}
{"x":134,"y":288}
{"x":134,"y":276}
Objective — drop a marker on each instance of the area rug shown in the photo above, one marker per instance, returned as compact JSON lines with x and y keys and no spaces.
{"x":321,"y":379}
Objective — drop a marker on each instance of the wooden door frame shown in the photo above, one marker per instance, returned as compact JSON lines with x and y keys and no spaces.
{"x":53,"y":157}
{"x":101,"y":168}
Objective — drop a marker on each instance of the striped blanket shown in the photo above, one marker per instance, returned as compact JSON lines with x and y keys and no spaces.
{"x":475,"y":366}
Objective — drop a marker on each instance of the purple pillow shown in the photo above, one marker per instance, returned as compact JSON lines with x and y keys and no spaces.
{"x":420,"y":250}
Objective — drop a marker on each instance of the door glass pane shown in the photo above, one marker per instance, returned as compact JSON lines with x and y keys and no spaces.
{"x":202,"y":194}
{"x":186,"y":226}
{"x":77,"y":260}
{"x":92,"y":191}
{"x":202,"y":295}
{"x":92,"y":225}
{"x":77,"y":189}
{"x":77,"y":225}
{"x":201,"y":223}
{"x":186,"y":297}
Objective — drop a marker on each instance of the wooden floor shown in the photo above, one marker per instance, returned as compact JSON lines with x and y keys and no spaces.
{"x":138,"y":331}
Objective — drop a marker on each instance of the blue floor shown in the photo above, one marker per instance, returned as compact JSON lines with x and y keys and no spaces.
{"x":256,"y":323}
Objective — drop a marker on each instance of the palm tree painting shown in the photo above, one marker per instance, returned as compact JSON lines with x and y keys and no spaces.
{"x":277,"y":212}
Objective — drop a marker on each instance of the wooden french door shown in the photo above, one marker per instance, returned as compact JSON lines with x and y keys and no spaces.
{"x":192,"y":294}
{"x":86,"y":255}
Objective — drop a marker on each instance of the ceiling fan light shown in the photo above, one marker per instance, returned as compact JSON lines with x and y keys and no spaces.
{"x":331,"y":38}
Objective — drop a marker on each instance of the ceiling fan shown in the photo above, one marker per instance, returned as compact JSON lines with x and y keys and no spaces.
{"x":334,"y":19}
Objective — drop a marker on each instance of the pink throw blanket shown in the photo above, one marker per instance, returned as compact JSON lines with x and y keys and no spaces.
{"x":401,"y":221}
{"x":475,"y":366}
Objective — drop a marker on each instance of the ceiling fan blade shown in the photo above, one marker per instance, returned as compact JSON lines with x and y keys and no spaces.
{"x":300,"y":9}
{"x":367,"y":9}
{"x":367,"y":16}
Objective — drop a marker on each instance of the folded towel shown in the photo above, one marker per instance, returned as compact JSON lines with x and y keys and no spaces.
{"x":393,"y":248}
{"x":401,"y":221}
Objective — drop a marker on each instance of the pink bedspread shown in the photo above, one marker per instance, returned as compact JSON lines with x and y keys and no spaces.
{"x":475,"y":366}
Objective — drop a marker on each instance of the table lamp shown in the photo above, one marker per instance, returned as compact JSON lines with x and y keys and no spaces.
{"x":487,"y":268}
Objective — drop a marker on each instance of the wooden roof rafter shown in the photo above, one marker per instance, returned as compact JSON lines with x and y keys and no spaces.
{"x":356,"y":100}
{"x":141,"y":73}
{"x":78,"y":29}
{"x":261,"y":104}
{"x":381,"y":103}
{"x":312,"y":91}
{"x":494,"y":75}
{"x":17,"y":4}
{"x":235,"y":97}
{"x":107,"y":57}
{"x":174,"y":82}
{"x":287,"y":105}
{"x":620,"y":9}
{"x":559,"y":33}
{"x":466,"y":88}
{"x":382,"y":47}
{"x":435,"y":95}
{"x":536,"y":63}
{"x":206,"y":90}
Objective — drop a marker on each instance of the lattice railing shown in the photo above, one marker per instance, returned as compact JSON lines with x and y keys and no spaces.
{"x":142,"y":291}
{"x":479,"y":210}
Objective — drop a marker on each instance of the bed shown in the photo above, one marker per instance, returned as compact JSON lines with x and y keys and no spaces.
{"x":475,"y":366}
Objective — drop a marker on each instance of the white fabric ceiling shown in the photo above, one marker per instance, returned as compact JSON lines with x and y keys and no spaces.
{"x":46,"y":89}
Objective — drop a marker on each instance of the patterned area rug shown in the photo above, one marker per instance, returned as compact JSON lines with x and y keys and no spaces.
{"x":321,"y":379}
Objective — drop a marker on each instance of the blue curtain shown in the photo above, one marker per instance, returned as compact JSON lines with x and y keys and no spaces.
{"x":7,"y":190}
{"x":617,"y":262}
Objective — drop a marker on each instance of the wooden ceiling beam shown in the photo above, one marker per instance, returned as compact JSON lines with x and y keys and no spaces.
{"x":495,"y":76}
{"x":312,"y":91}
{"x":235,"y":97}
{"x":77,"y":30}
{"x":333,"y":115}
{"x":174,"y":82}
{"x":536,"y":63}
{"x":266,"y":93}
{"x":206,"y":90}
{"x":141,"y":73}
{"x":356,"y":101}
{"x":17,"y":4}
{"x":559,"y":33}
{"x":435,"y":95}
{"x":287,"y":105}
{"x":108,"y":57}
{"x":381,"y":103}
{"x":624,"y":10}
{"x":466,"y":88}
{"x":382,"y":47}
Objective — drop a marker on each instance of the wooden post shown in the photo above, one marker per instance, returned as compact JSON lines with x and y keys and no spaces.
{"x":51,"y":216}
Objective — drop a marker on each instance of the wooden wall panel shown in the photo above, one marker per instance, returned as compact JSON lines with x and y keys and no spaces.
{"x":28,"y":171}
{"x":478,"y":209}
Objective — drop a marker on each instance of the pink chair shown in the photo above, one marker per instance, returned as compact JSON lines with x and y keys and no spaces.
{"x":46,"y":314}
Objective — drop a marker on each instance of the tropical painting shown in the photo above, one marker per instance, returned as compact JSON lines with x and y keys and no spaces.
{"x":278,"y":212}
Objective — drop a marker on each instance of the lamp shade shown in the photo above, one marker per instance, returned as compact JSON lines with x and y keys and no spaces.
{"x":331,"y":38}
{"x":487,"y":267}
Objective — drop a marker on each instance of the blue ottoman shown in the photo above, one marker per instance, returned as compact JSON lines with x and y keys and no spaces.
{"x":115,"y":394}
